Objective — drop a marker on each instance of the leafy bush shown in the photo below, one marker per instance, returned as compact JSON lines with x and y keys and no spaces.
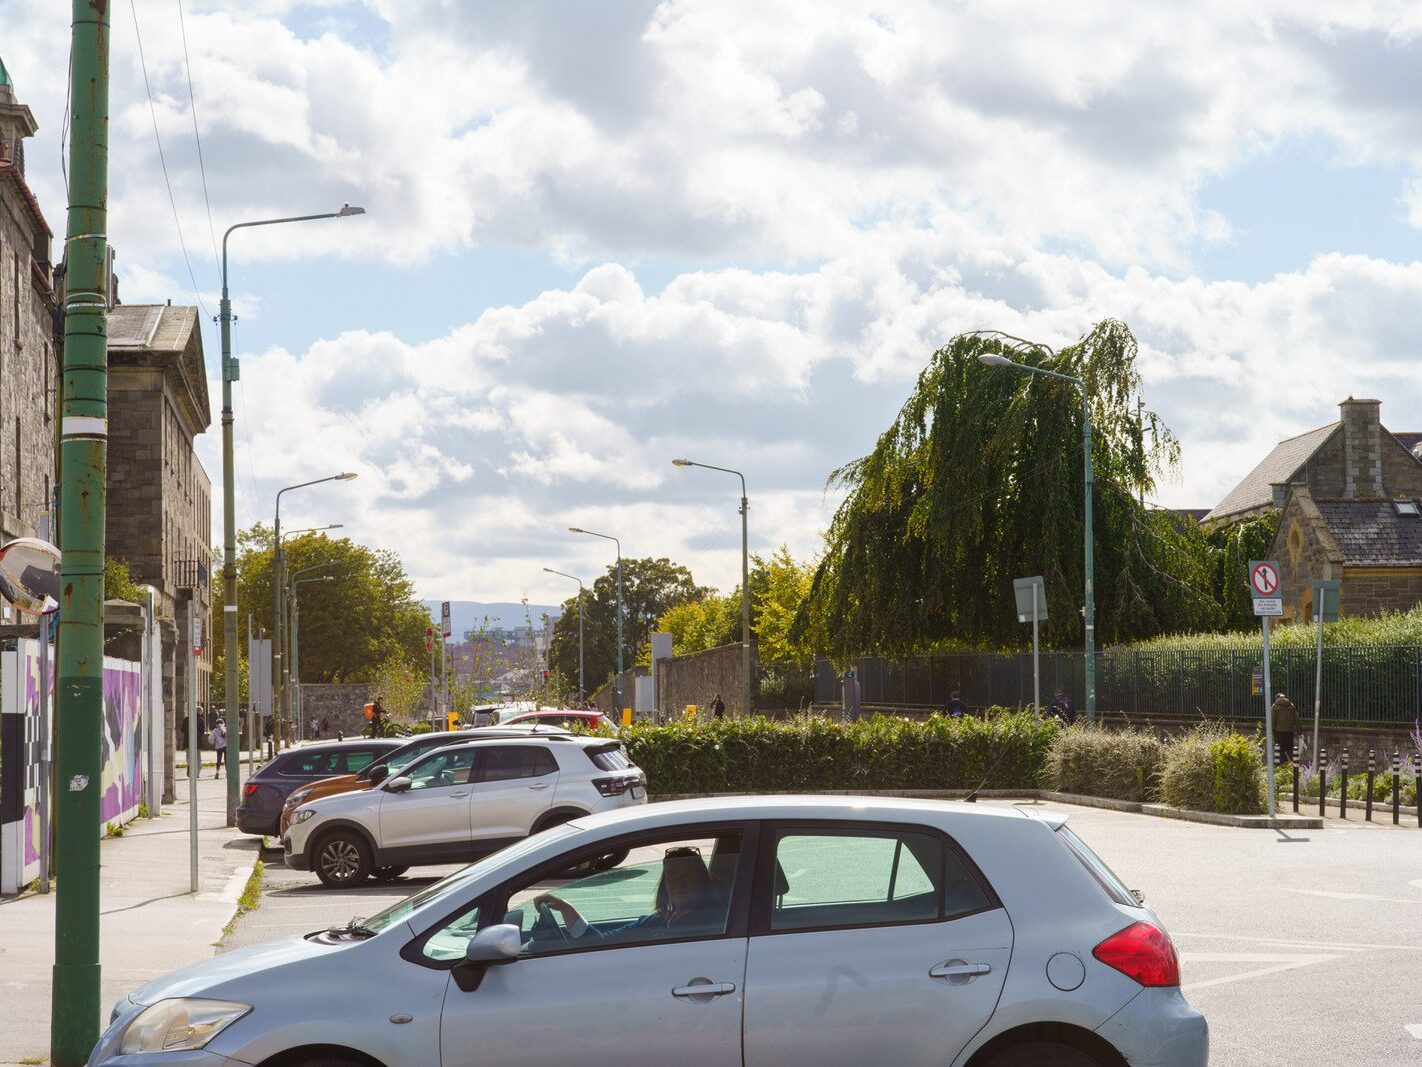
{"x":1004,"y":750}
{"x":1238,"y":787}
{"x":1121,"y":764}
{"x":1187,"y":775}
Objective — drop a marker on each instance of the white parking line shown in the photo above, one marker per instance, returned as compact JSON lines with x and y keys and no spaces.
{"x":1294,"y":942}
{"x":1415,"y":1029}
{"x":1281,"y":962}
{"x":1334,"y":895}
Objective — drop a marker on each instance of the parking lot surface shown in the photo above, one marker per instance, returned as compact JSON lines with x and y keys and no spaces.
{"x":1299,"y":947}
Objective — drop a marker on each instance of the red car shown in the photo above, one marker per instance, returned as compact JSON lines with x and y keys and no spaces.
{"x":564,"y":718}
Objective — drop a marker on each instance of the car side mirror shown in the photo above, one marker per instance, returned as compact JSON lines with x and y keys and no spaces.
{"x":398,"y":785}
{"x":379,"y":774}
{"x":490,"y":947}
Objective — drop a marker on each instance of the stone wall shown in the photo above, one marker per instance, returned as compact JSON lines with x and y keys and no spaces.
{"x":1374,"y":590}
{"x":341,"y":706}
{"x":697,"y":678}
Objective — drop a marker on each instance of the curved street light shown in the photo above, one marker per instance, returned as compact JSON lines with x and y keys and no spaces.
{"x":229,"y":491}
{"x":993,"y":359}
{"x":582,"y":693}
{"x":617,"y":684}
{"x":747,"y":688}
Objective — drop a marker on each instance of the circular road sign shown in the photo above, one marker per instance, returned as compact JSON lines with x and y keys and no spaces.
{"x":1264,"y":579}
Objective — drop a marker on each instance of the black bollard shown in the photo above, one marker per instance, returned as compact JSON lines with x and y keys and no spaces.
{"x":1296,"y":777}
{"x":1343,"y":792}
{"x":1322,"y":780}
{"x":1372,"y":768}
{"x":1396,"y":787}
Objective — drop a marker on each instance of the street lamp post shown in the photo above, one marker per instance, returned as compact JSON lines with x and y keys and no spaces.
{"x":992,"y":359}
{"x":278,"y":588}
{"x":617,"y":683}
{"x":747,"y":685}
{"x":229,"y":512}
{"x":582,"y":694}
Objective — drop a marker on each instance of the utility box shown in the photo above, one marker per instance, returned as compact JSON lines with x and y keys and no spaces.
{"x":849,"y":693}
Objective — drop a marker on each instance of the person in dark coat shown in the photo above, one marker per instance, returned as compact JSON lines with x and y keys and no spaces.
{"x":956,"y":707}
{"x":1062,"y":707}
{"x":1286,"y":724}
{"x":718,"y":708}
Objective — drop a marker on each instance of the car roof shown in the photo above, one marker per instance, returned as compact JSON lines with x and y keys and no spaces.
{"x":814,"y":806}
{"x":561,"y":736}
{"x":346,"y":746}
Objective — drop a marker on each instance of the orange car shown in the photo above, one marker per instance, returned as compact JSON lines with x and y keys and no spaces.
{"x":389,"y":763}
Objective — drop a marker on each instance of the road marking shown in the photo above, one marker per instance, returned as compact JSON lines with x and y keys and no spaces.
{"x":1332,"y":895}
{"x":1415,"y":1029}
{"x":1281,"y":962}
{"x":1346,"y":946}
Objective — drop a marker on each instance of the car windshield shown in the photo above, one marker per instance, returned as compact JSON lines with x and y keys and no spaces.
{"x":397,"y":913}
{"x":400,"y":762}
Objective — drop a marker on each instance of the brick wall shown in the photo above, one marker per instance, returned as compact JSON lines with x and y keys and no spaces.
{"x":342,"y":706}
{"x":697,"y":678}
{"x":1374,"y":590}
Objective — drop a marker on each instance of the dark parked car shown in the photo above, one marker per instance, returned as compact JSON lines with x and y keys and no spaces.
{"x":266,"y":791}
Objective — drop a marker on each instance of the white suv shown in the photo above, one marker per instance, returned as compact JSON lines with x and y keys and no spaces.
{"x":462,"y":802}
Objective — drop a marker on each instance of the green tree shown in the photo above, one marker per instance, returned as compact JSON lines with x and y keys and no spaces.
{"x":399,"y":685}
{"x":650,"y":587}
{"x":979,"y":481}
{"x":349,"y":627}
{"x":696,"y":625}
{"x":782,"y":592}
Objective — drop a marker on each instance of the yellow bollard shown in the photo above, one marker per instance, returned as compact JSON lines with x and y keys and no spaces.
{"x":691,"y":711}
{"x":626,"y":716}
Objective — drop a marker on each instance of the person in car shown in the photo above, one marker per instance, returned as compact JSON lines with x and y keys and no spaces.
{"x":685,"y":903}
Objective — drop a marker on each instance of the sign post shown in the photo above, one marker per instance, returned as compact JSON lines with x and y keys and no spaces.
{"x":1268,"y":603}
{"x":1032,"y":607}
{"x":1325,"y":609}
{"x":446,"y":630}
{"x":434,"y":700}
{"x":194,"y":758}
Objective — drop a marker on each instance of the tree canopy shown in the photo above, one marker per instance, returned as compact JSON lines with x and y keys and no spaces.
{"x":367,"y":617}
{"x":979,"y":480}
{"x":650,"y":588}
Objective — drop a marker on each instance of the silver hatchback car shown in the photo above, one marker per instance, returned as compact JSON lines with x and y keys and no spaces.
{"x":751,"y":931}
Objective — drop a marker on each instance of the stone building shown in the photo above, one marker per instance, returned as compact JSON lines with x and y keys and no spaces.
{"x":159,"y":496}
{"x":29,"y":347}
{"x":1350,"y":497}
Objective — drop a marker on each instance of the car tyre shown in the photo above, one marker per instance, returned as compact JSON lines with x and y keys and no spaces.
{"x":389,"y":874}
{"x":611,"y":860}
{"x":342,"y":859}
{"x":1036,"y":1053}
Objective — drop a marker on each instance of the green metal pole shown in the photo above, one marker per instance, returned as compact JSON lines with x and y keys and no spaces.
{"x":83,"y":460}
{"x":1090,"y":561}
{"x":229,"y":554}
{"x":748,"y":685}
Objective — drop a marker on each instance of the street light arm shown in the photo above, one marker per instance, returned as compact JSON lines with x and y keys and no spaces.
{"x":345,"y":212}
{"x":713,"y":467}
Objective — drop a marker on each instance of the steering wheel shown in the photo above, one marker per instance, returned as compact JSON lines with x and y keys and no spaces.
{"x":547,"y":920}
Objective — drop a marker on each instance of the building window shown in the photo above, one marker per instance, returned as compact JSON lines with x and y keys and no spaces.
{"x":1407,"y":508}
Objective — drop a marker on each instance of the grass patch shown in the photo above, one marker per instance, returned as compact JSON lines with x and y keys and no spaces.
{"x":32,"y":1059}
{"x":250,"y":897}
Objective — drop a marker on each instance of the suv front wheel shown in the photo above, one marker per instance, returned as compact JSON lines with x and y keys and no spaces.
{"x":342,"y":859}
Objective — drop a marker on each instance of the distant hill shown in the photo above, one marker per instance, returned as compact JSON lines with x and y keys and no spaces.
{"x":469,"y":614}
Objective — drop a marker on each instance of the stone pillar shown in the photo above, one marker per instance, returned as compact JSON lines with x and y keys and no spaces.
{"x":1362,"y":448}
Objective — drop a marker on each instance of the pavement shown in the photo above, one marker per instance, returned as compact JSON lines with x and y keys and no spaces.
{"x":151,"y":922}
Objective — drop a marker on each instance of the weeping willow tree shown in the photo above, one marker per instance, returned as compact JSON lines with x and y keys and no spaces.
{"x":979,"y":481}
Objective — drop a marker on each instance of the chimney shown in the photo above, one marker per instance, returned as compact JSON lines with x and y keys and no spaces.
{"x":1362,"y":448}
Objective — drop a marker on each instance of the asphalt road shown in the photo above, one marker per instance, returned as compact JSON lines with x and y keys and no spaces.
{"x":1302,"y":947}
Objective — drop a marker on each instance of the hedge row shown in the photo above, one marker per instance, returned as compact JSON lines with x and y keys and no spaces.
{"x":1003,"y":750}
{"x":1207,"y":770}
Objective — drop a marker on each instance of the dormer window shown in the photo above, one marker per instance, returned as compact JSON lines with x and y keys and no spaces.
{"x":1408,"y":508}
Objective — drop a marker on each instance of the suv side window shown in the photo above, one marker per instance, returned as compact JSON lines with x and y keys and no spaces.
{"x":502,"y":763}
{"x":442,"y":769}
{"x":315,"y":765}
{"x":827,"y":878}
{"x":359,"y":760}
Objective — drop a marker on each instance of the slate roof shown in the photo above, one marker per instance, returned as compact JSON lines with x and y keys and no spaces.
{"x":1371,"y":533}
{"x":1412,"y":442}
{"x":168,"y":337}
{"x":1280,"y":465}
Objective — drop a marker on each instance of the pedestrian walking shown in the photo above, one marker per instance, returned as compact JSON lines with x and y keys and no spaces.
{"x":1062,"y":707}
{"x":325,"y":726}
{"x":219,"y":743}
{"x":718,"y":708}
{"x":956,"y":707}
{"x":1286,"y":724}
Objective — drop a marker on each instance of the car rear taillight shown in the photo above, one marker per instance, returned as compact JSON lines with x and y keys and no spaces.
{"x":1141,"y":951}
{"x":614,"y":787}
{"x":250,"y":789}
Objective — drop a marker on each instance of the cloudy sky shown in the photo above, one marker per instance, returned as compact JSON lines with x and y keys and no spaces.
{"x":604,"y":234}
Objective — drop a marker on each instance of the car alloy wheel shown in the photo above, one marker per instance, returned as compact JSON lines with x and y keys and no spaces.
{"x":342,"y":860}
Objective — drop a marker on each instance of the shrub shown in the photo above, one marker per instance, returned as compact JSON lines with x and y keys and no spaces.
{"x":1238,"y":785}
{"x":1187,"y":774}
{"x":1004,"y":750}
{"x":1121,"y":764}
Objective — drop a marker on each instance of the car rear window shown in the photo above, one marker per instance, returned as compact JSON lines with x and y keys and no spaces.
{"x":1105,"y":877}
{"x":502,"y":763}
{"x":609,"y":758}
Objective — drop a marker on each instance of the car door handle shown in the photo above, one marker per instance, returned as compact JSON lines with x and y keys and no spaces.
{"x":539,"y":785}
{"x":704,"y":988}
{"x":463,"y":794}
{"x":959,"y":969}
